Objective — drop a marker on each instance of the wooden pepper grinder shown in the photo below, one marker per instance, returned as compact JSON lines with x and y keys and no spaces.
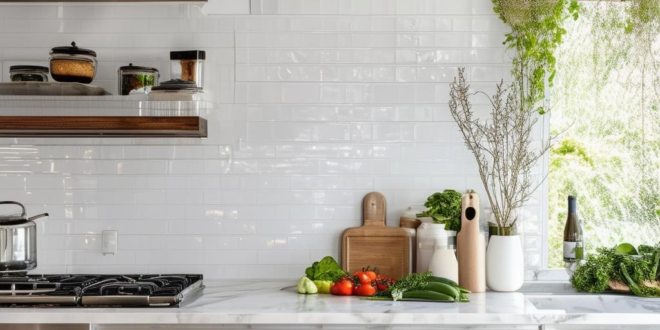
{"x":471,"y":247}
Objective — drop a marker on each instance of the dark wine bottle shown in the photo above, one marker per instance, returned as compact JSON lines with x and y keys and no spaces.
{"x":573,"y":239}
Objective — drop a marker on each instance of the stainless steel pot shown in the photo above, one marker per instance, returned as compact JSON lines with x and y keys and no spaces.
{"x":18,"y":242}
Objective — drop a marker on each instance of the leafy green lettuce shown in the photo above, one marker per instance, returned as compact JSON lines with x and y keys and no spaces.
{"x":445,"y":208}
{"x":325,"y":270}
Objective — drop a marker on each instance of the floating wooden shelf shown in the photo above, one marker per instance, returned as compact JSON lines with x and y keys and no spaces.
{"x":102,"y":126}
{"x":103,"y":0}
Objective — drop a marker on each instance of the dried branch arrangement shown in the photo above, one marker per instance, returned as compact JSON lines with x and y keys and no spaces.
{"x":501,"y":145}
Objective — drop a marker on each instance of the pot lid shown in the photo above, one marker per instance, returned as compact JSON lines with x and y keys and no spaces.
{"x":176,"y":85}
{"x":29,"y":67}
{"x":15,"y":219}
{"x":131,"y":67}
{"x":72,"y":50}
{"x":188,"y":55}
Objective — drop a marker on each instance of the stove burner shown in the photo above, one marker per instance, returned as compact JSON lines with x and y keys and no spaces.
{"x":98,"y":290}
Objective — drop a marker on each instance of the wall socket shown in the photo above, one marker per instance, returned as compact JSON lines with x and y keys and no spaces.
{"x":109,"y":242}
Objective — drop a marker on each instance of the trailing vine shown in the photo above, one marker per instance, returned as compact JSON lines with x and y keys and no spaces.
{"x":536,"y":32}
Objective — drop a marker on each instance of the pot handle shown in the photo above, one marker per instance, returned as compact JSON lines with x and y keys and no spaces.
{"x":15,"y":203}
{"x":37,"y":216}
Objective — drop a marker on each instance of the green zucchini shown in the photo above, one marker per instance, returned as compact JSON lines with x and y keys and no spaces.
{"x":463,"y":298}
{"x":428,"y":300}
{"x":444,"y":289}
{"x":376,"y":298}
{"x":449,"y":282}
{"x":443,"y":280}
{"x":427,"y":295}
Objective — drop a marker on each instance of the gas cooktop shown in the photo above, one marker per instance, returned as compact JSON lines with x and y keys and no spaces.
{"x":99,"y":290}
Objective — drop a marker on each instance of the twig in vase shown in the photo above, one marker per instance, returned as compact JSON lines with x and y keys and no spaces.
{"x":502,"y":146}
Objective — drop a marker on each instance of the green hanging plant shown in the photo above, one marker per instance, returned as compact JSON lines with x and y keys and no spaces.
{"x":536,"y":32}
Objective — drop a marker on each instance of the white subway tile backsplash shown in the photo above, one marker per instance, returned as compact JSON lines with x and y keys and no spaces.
{"x":316,"y":103}
{"x":222,"y":257}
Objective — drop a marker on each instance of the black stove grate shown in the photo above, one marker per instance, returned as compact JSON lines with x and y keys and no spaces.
{"x":22,"y":290}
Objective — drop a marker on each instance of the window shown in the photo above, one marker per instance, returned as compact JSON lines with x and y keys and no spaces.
{"x":605,"y":102}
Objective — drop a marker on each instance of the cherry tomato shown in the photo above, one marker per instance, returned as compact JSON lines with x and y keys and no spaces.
{"x":366,"y":275}
{"x":366,"y":290}
{"x":362,"y":277}
{"x":343,"y":288}
{"x":372,"y":274}
{"x":383,"y":282}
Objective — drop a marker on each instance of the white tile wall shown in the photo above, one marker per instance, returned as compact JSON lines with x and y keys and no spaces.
{"x":317,"y":103}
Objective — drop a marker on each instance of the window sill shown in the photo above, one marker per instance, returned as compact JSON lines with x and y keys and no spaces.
{"x":552,"y":275}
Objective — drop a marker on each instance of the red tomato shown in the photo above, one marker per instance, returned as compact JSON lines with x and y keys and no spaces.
{"x":383,"y":283}
{"x":366,"y":275}
{"x":366,"y":290}
{"x":372,"y":274}
{"x":342,"y":288}
{"x":363,"y":277}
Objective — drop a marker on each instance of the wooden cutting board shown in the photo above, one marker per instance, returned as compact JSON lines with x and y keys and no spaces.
{"x":374,"y":244}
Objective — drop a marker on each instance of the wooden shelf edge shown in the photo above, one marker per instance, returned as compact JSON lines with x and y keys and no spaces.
{"x":29,"y":1}
{"x":102,"y":126}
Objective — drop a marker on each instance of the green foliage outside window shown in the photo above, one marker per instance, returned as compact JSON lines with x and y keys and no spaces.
{"x":606,"y":98}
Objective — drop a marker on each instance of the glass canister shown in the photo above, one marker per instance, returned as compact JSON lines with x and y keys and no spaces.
{"x":73,"y":64}
{"x":443,"y":260}
{"x":427,"y":234}
{"x":28,"y":73}
{"x":188,"y":65}
{"x":409,"y":222}
{"x":137,"y":79}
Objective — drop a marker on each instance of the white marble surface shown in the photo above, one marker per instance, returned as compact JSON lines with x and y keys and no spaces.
{"x":266,"y":303}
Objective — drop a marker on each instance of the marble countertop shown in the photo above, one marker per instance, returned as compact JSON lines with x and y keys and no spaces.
{"x":276,"y":302}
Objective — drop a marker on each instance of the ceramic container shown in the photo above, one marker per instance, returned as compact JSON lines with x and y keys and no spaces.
{"x":505,"y":266}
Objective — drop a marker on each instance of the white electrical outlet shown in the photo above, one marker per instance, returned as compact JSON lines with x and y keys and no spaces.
{"x":109,"y":242}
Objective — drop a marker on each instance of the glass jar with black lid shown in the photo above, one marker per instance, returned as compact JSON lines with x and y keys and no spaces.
{"x":28,"y":73}
{"x":73,"y":64}
{"x":188,"y":65}
{"x":137,"y":79}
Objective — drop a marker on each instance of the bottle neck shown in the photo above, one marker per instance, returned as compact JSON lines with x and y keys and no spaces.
{"x":572,"y":205}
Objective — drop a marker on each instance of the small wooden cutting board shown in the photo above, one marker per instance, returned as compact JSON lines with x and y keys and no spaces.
{"x":374,"y":244}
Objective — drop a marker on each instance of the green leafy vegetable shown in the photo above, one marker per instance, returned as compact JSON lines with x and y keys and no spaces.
{"x":444,"y":208}
{"x":325,"y":270}
{"x":412,"y":282}
{"x":424,"y":286}
{"x":639,"y":271}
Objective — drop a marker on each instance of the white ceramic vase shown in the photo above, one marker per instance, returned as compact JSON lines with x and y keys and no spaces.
{"x":505,"y":264}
